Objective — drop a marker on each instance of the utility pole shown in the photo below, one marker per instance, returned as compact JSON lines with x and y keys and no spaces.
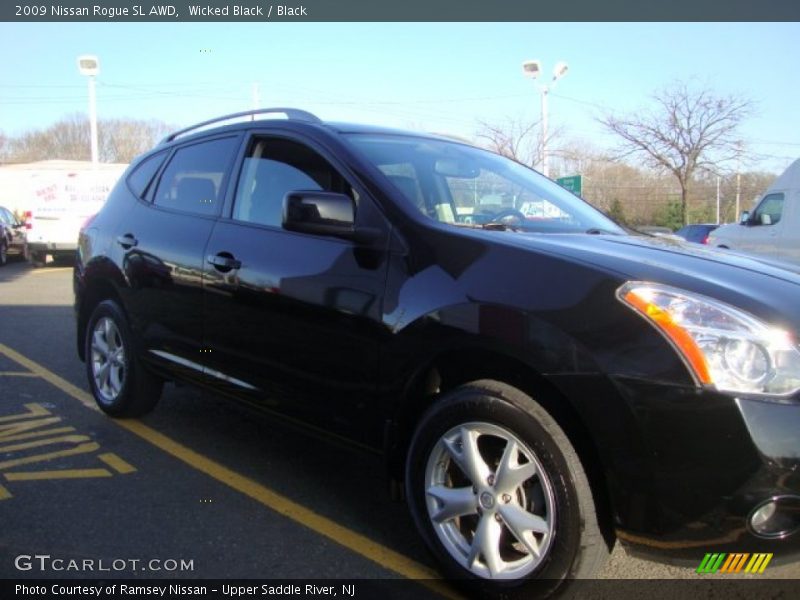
{"x":738,"y":177}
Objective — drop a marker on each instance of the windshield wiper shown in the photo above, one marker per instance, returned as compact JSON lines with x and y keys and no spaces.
{"x":487,"y":226}
{"x":598,"y":231}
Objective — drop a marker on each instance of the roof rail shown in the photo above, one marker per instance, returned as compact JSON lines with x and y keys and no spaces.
{"x":291,"y":114}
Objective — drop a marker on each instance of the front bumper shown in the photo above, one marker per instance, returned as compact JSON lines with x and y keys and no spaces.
{"x":684,"y":468}
{"x":712,"y":461}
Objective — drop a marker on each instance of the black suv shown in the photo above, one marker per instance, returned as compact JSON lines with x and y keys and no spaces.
{"x":541,"y":383}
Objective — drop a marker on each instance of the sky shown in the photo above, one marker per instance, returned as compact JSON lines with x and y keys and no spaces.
{"x":439,"y":77}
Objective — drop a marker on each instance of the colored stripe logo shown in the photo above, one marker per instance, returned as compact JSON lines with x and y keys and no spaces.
{"x":734,"y":563}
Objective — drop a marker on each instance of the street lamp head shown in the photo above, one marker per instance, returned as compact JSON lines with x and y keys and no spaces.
{"x":531,"y":68}
{"x":88,"y":64}
{"x":560,"y":70}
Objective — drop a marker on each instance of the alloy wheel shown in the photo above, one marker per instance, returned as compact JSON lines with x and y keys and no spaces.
{"x":108,"y":359}
{"x":490,"y":501}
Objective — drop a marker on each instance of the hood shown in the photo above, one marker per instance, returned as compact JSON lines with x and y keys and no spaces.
{"x":765,"y":288}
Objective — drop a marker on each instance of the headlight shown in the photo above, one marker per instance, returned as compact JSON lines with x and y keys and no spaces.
{"x":722,"y":345}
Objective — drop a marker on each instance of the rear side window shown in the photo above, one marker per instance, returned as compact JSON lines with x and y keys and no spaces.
{"x":192,"y":181}
{"x":143,"y":174}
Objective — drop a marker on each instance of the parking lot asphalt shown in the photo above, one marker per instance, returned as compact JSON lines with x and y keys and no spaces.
{"x":200,"y":488}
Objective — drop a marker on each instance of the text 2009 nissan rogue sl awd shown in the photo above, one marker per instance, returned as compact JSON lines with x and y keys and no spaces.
{"x":541,"y":382}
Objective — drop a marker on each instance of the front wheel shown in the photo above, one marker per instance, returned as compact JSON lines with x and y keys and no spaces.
{"x":500,"y":495}
{"x":121,"y":386}
{"x":3,"y":254}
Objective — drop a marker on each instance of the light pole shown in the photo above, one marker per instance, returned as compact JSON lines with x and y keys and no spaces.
{"x":532,"y":69}
{"x":89,"y":65}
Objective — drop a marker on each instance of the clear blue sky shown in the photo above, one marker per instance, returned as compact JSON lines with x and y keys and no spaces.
{"x":430,"y":76}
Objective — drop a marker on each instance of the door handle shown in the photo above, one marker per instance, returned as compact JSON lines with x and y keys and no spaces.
{"x":127,"y":241}
{"x":223,"y":261}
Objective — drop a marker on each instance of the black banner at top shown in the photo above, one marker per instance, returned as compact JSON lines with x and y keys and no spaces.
{"x":400,"y":10}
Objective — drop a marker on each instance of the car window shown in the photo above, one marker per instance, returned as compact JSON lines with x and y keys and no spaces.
{"x":462,"y":185}
{"x":769,"y":210}
{"x":144,"y":172}
{"x":5,"y":217}
{"x":192,"y":181}
{"x":272,"y":168}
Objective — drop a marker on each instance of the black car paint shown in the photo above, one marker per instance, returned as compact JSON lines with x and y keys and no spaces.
{"x":357,"y":338}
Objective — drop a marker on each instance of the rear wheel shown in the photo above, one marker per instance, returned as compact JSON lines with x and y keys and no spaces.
{"x":500,"y":495}
{"x":3,"y":254}
{"x":38,"y":258}
{"x":121,"y":386}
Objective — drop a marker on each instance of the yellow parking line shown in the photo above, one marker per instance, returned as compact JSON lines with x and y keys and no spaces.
{"x":360,"y":544}
{"x":4,"y":493}
{"x":116,"y":463}
{"x":50,"y":270}
{"x":58,"y":474}
{"x":17,"y":374}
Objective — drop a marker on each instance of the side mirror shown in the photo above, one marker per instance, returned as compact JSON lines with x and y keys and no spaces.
{"x":320,"y":213}
{"x":744,"y":219}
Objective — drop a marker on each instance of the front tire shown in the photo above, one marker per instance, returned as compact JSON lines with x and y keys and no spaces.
{"x":121,"y":386}
{"x":500,"y":495}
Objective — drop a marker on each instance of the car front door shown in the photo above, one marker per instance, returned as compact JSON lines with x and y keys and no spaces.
{"x":767,"y":226}
{"x":294,"y":319}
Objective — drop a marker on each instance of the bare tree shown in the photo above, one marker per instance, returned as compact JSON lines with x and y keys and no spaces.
{"x":67,"y":139}
{"x":119,"y":140}
{"x":3,"y":147}
{"x":686,"y":132}
{"x":516,"y":140}
{"x":512,"y":139}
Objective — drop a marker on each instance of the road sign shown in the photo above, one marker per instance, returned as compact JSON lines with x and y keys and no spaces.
{"x":574,"y":184}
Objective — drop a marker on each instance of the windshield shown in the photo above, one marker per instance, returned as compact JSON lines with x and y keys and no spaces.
{"x":462,"y":185}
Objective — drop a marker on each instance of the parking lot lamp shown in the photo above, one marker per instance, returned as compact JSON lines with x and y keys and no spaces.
{"x":532,"y":69}
{"x":89,"y":65}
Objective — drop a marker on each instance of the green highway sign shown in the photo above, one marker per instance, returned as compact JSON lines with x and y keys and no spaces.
{"x":573,"y":183}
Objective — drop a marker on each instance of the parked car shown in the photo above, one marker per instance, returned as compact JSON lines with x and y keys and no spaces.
{"x":60,"y":197}
{"x":696,"y":232}
{"x":540,"y":391}
{"x":13,"y":241}
{"x":659,"y":231}
{"x":772,"y":228}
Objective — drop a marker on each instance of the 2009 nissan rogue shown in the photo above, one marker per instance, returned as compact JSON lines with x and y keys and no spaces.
{"x":541,"y":382}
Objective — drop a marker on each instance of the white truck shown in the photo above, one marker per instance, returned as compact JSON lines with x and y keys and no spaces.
{"x":55,"y":197}
{"x":772,"y":228}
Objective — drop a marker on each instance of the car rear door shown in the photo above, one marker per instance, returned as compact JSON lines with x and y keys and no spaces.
{"x":293,"y":319}
{"x":160,"y":245}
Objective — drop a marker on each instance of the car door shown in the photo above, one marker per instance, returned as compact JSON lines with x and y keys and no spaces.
{"x":766,"y":226}
{"x":788,"y":248}
{"x":293,"y":319}
{"x":160,"y":245}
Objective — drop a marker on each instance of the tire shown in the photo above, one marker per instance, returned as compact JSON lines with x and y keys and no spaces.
{"x":522,"y":475}
{"x":121,"y":386}
{"x":38,"y":258}
{"x":3,"y":254}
